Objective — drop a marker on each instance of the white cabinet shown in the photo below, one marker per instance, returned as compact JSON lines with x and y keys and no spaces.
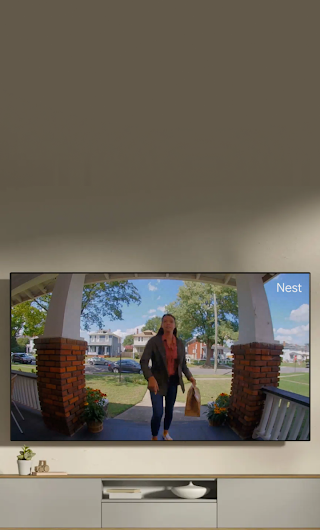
{"x":268,"y":503}
{"x":50,"y":502}
{"x":174,"y":514}
{"x":159,"y":507}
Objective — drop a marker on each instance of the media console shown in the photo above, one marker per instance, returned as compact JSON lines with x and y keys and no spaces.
{"x":78,"y":501}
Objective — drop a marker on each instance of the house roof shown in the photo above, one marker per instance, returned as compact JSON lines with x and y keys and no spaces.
{"x":27,"y":286}
{"x":146,"y":333}
{"x":103,"y":332}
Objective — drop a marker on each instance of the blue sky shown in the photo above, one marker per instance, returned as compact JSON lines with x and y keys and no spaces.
{"x":289,"y":310}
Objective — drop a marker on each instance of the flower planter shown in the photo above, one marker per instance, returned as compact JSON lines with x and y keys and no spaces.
{"x":216,"y":423}
{"x":24,"y":467}
{"x":95,"y":426}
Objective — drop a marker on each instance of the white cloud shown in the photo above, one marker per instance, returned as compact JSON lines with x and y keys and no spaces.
{"x":144,"y":316}
{"x":84,"y":334}
{"x":158,"y":297}
{"x":152,"y":311}
{"x":281,"y":338}
{"x":299,"y":330}
{"x":128,"y":331}
{"x":152,"y":287}
{"x":162,"y":308}
{"x":301,"y":314}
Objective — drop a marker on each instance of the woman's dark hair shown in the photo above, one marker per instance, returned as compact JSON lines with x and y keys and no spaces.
{"x":161,"y":332}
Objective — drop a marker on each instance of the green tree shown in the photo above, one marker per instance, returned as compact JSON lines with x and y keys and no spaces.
{"x":153,"y":324}
{"x":98,"y":301}
{"x":128,"y":340}
{"x":194,"y":313}
{"x":28,"y":318}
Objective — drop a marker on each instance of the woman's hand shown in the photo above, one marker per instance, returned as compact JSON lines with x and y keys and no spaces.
{"x":193,"y":381}
{"x":152,"y":384}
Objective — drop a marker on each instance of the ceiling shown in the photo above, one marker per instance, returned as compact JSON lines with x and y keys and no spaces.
{"x":27,"y":286}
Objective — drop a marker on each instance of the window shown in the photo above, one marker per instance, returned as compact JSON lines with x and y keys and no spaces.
{"x":102,"y":338}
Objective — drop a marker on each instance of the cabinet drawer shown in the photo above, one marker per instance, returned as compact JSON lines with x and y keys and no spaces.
{"x":269,"y":503}
{"x":50,"y":502}
{"x":159,"y":514}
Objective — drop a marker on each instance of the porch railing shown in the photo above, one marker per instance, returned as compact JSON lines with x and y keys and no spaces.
{"x":25,"y":390}
{"x":283,"y":416}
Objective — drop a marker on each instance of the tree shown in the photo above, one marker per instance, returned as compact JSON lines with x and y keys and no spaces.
{"x":27,"y":318}
{"x":153,"y":324}
{"x":194,"y":313}
{"x":128,"y":341}
{"x":98,"y":301}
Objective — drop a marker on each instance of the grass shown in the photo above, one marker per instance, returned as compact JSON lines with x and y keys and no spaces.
{"x":24,"y":367}
{"x":299,"y":384}
{"x":121,"y":395}
{"x":209,"y":390}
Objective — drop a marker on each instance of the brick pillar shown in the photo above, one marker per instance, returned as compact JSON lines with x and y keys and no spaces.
{"x":254,"y":365}
{"x":61,"y":382}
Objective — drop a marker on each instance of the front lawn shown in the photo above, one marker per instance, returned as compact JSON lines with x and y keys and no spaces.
{"x":24,"y":367}
{"x":121,"y":395}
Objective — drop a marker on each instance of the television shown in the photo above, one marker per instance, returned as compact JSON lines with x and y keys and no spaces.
{"x":160,"y":356}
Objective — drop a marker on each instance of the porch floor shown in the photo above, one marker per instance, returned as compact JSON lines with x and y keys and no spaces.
{"x":114,"y":429}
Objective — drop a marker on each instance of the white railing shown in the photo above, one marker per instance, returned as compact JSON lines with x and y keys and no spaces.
{"x":25,"y":390}
{"x":283,"y":415}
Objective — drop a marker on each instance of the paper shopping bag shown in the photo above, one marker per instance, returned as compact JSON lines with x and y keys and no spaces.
{"x":193,"y":402}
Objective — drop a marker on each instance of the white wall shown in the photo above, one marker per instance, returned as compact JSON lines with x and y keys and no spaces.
{"x":207,"y":159}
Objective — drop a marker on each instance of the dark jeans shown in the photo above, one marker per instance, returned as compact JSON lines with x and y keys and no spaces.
{"x":157,"y":406}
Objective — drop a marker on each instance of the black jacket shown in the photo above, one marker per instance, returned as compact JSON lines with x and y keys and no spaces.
{"x":155,"y":350}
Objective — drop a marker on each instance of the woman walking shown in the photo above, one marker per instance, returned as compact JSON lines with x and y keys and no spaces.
{"x":167,"y":355}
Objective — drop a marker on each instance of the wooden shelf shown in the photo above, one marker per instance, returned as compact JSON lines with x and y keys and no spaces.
{"x":182,"y":477}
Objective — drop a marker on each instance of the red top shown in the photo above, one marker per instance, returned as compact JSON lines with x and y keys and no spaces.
{"x":172,"y":354}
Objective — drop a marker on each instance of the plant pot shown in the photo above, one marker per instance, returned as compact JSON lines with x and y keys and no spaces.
{"x":215,"y":423}
{"x":25,"y":467}
{"x":95,"y":426}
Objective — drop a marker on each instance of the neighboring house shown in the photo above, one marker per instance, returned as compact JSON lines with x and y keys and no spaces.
{"x":127,"y":351}
{"x":140,"y":340}
{"x":30,"y":348}
{"x":104,"y":342}
{"x":198,"y":350}
{"x":290,"y":354}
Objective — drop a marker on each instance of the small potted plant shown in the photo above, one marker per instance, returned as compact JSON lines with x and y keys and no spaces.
{"x":217,"y":411}
{"x":95,"y":409}
{"x":25,"y":460}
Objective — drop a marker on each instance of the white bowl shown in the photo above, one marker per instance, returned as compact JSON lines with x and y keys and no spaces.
{"x":190,"y":492}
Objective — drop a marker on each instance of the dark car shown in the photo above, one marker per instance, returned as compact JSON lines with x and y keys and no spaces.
{"x":22,"y":358}
{"x":127,"y":365}
{"x":100,"y":360}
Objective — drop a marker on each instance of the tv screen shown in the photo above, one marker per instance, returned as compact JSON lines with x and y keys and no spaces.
{"x":167,"y":357}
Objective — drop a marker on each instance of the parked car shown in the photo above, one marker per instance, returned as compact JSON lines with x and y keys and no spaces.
{"x":127,"y":365}
{"x":22,"y":358}
{"x":99,"y":360}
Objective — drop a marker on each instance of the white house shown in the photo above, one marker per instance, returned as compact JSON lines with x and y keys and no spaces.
{"x":104,"y":342}
{"x":30,"y":348}
{"x":290,"y":354}
{"x":141,"y":339}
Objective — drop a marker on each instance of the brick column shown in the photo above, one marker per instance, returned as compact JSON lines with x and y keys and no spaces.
{"x":254,"y":365}
{"x":61,"y":382}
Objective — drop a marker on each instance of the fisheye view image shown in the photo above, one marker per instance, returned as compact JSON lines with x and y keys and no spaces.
{"x":160,"y":357}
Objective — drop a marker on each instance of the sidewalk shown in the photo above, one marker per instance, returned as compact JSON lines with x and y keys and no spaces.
{"x":142,"y":412}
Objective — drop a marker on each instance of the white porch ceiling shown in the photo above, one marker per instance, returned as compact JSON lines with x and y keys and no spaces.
{"x":27,"y":286}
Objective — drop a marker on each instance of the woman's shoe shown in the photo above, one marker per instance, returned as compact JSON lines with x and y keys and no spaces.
{"x":167,"y":437}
